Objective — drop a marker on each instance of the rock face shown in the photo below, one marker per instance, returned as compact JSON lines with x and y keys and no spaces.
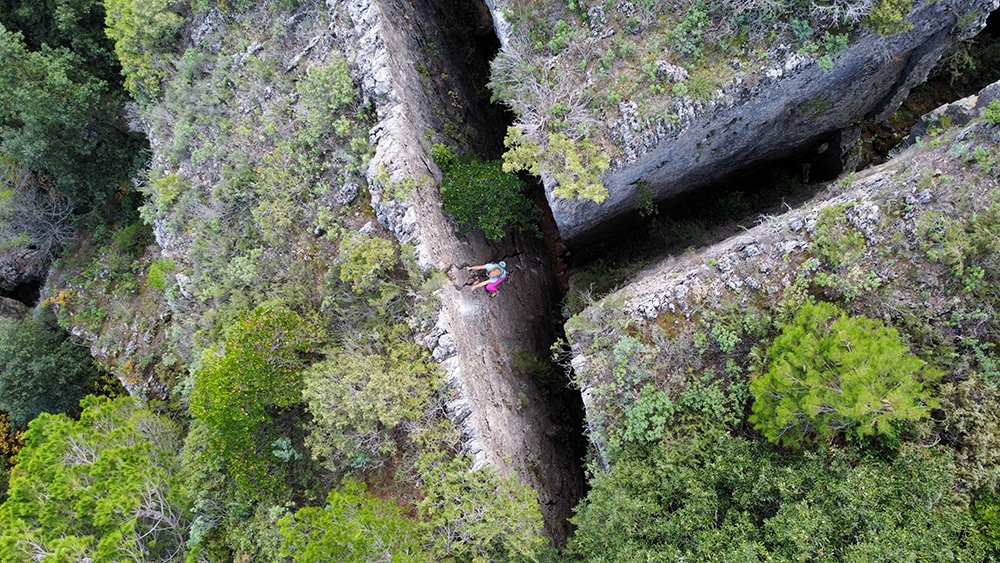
{"x":787,"y":108}
{"x":499,"y":409}
{"x":22,"y":272}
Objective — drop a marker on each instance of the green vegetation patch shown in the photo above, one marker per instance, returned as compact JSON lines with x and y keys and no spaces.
{"x":484,"y":195}
{"x":830,"y":374}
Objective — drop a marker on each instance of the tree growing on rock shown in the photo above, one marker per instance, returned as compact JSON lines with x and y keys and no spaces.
{"x":830,"y":374}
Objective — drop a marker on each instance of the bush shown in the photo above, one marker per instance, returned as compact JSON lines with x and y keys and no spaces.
{"x":41,"y":370}
{"x":829,"y":373}
{"x":144,"y":32}
{"x":888,"y":17}
{"x":576,"y":164}
{"x":726,"y":498}
{"x":481,"y":195}
{"x":358,"y":400}
{"x":59,"y":120}
{"x":992,"y":112}
{"x":367,"y":258}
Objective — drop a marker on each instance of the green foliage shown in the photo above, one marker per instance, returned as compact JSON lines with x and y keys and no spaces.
{"x":104,"y":488}
{"x":725,"y":498}
{"x":576,"y":164}
{"x":242,"y":383}
{"x":834,"y":239}
{"x":686,"y":38}
{"x":986,"y":511}
{"x":353,"y":527}
{"x":41,"y":370}
{"x":992,"y":112}
{"x":159,"y":271}
{"x":60,"y":120}
{"x":478,"y":515}
{"x":483,"y":195}
{"x":562,"y":35}
{"x":367,"y":258}
{"x":76,"y":25}
{"x":359,"y":399}
{"x":888,"y":17}
{"x":144,"y":32}
{"x":829,"y":373}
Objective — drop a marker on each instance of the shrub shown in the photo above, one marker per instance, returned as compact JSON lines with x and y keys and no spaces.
{"x":366,"y":259}
{"x":726,"y":498}
{"x":358,"y":400}
{"x":992,"y":112}
{"x":888,"y":17}
{"x":836,"y":241}
{"x":829,"y":373}
{"x":482,"y":195}
{"x":41,"y":370}
{"x":58,"y":120}
{"x":576,"y":164}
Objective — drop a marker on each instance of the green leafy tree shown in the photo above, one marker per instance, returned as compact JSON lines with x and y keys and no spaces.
{"x":76,"y":25}
{"x":60,"y":120}
{"x":478,"y":515}
{"x":353,"y":527}
{"x":829,"y":373}
{"x":243,"y":382}
{"x":360,"y":398}
{"x":726,"y":498}
{"x":144,"y":32}
{"x":104,"y":488}
{"x":41,"y":370}
{"x":576,"y":164}
{"x":482,"y":195}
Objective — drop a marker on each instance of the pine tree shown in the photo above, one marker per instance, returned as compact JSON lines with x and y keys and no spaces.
{"x":830,"y":374}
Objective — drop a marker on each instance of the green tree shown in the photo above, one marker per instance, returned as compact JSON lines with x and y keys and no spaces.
{"x":353,"y":527}
{"x":41,"y":370}
{"x":481,"y":195}
{"x":243,"y":383}
{"x":359,"y":399}
{"x":62,"y":121}
{"x":726,"y":498}
{"x":76,"y":25}
{"x":144,"y":32}
{"x":104,"y":488}
{"x":829,"y":373}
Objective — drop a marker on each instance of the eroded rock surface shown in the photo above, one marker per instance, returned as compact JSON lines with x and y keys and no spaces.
{"x":786,"y":107}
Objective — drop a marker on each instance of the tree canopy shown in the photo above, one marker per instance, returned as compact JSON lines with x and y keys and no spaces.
{"x":829,"y":373}
{"x":41,"y":370}
{"x":104,"y":488}
{"x":60,"y":100}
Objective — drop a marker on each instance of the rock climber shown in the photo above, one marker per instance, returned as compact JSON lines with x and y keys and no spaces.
{"x":496,"y":272}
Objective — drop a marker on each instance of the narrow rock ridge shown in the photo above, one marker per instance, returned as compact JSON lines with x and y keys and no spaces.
{"x":500,"y":412}
{"x":765,"y":113}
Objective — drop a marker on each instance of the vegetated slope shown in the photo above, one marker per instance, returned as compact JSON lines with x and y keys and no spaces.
{"x":622,"y":104}
{"x":301,"y":292}
{"x":689,"y":370}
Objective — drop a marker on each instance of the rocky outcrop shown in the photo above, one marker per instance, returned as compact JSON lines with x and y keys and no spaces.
{"x":955,"y":113}
{"x":22,"y":272}
{"x":499,"y":409}
{"x":786,"y":107}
